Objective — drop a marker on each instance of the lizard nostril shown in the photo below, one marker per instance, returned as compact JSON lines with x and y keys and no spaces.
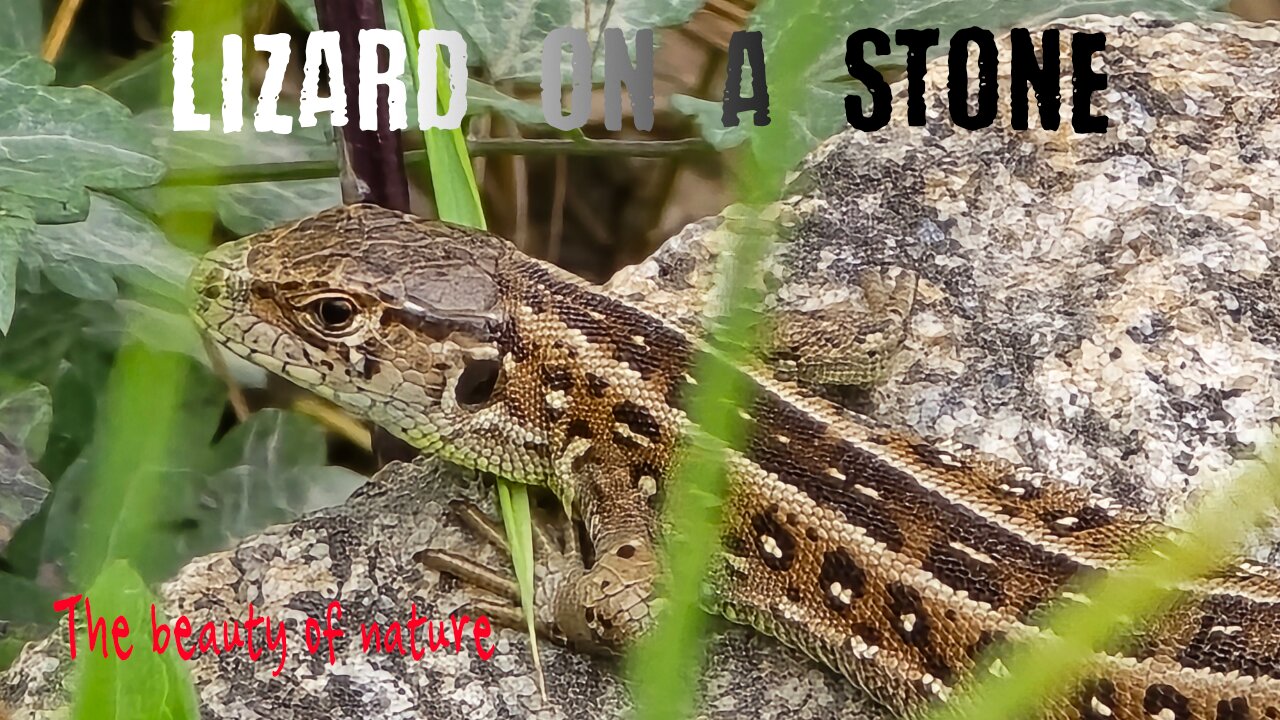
{"x":211,"y":291}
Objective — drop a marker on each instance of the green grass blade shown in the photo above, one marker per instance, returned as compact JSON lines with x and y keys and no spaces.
{"x":458,"y":201}
{"x":665,"y":667}
{"x":457,"y":196}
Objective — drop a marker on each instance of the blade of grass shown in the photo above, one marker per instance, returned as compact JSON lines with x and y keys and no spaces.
{"x":665,"y":666}
{"x":454,"y":183}
{"x":458,"y":201}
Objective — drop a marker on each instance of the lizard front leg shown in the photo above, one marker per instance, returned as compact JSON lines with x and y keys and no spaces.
{"x":598,"y":600}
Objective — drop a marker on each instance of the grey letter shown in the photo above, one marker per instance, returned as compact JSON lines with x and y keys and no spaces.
{"x":639,"y":79}
{"x":580,"y":59}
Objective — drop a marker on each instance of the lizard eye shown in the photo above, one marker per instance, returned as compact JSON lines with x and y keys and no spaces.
{"x":334,"y":313}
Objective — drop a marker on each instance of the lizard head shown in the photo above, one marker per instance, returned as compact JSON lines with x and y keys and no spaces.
{"x":399,"y":320}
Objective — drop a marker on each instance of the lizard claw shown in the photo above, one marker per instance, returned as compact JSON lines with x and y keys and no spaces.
{"x":598,"y":609}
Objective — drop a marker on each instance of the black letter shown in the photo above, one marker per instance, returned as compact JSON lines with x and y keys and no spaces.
{"x":958,"y":78}
{"x":871,"y":79}
{"x":1084,"y":81}
{"x":917,"y":43}
{"x":745,"y":46}
{"x":1024,"y":70}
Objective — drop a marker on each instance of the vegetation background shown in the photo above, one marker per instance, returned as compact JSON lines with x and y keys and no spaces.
{"x":124,"y":451}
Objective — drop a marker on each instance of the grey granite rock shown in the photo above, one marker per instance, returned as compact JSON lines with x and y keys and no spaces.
{"x":1103,"y":308}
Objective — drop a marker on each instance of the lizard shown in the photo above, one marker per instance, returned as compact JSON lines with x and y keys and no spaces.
{"x":894,"y":560}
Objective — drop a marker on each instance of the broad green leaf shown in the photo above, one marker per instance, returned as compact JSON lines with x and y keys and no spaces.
{"x":26,"y":412}
{"x":250,"y":207}
{"x":218,"y":149}
{"x":708,"y":115}
{"x":242,"y":207}
{"x":23,"y":68}
{"x":482,"y":97}
{"x":20,"y":25}
{"x":69,"y":136}
{"x":16,"y":228}
{"x":113,"y":242}
{"x":147,"y":686}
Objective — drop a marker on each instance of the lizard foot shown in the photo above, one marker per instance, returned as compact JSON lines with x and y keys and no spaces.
{"x":600,"y":609}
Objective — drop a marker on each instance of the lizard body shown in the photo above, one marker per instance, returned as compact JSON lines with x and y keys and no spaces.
{"x":894,"y":560}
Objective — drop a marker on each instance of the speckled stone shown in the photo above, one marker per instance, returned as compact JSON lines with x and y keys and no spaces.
{"x":1102,"y":308}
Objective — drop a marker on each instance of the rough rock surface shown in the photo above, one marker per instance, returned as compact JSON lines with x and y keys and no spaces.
{"x":1105,"y":308}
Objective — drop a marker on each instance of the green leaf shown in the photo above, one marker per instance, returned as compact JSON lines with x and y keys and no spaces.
{"x":22,"y":68}
{"x":22,"y":490}
{"x":242,"y":207}
{"x":483,"y":97}
{"x":249,"y":207}
{"x":114,"y":242}
{"x":16,"y":227}
{"x":510,"y":35}
{"x":60,"y":136}
{"x":147,"y":686}
{"x":26,"y":412}
{"x":708,"y":116}
{"x":20,"y":25}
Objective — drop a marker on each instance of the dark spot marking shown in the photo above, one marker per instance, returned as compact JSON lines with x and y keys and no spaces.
{"x":1224,"y":651}
{"x":906,"y":614}
{"x":371,"y":366}
{"x":782,"y":552}
{"x":639,"y":420}
{"x":1085,"y":518}
{"x":1237,"y":708}
{"x":1164,"y":697}
{"x":839,"y":567}
{"x":905,"y":605}
{"x":626,"y":442}
{"x":556,"y":378}
{"x":1094,"y":693}
{"x":793,"y":593}
{"x":937,"y":458}
{"x":960,"y":571}
{"x":579,"y":428}
{"x":870,"y":634}
{"x":596,"y":385}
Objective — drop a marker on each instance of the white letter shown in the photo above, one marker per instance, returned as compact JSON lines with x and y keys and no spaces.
{"x":371,"y":78}
{"x":429,"y":42}
{"x":322,"y":49}
{"x":232,"y":83}
{"x":185,"y":117}
{"x":265,"y":118}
